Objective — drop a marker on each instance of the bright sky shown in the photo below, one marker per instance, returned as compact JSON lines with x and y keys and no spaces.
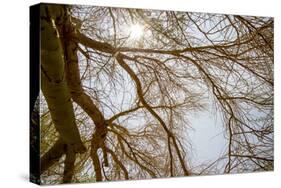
{"x":207,"y":138}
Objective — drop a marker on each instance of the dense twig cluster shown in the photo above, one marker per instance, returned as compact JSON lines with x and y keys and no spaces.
{"x":132,"y":98}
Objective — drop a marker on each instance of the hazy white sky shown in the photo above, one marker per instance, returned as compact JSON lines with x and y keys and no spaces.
{"x":207,"y":139}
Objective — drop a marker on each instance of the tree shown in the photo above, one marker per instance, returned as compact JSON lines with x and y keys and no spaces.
{"x":116,"y":101}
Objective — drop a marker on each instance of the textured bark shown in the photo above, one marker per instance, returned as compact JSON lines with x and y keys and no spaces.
{"x":61,"y":82}
{"x":53,"y":82}
{"x":57,"y":95}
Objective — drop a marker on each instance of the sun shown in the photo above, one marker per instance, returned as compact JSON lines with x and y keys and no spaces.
{"x":136,"y":31}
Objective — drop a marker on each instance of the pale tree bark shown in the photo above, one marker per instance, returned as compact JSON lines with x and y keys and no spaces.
{"x":69,"y":87}
{"x":57,"y":94}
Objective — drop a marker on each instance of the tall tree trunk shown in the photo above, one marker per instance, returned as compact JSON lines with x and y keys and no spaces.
{"x":53,"y":82}
{"x":57,"y":94}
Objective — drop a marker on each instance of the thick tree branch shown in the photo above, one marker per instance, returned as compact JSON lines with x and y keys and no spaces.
{"x":54,"y":85}
{"x":52,"y":156}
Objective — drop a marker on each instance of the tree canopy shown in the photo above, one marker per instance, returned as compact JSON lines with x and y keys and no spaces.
{"x":119,"y":87}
